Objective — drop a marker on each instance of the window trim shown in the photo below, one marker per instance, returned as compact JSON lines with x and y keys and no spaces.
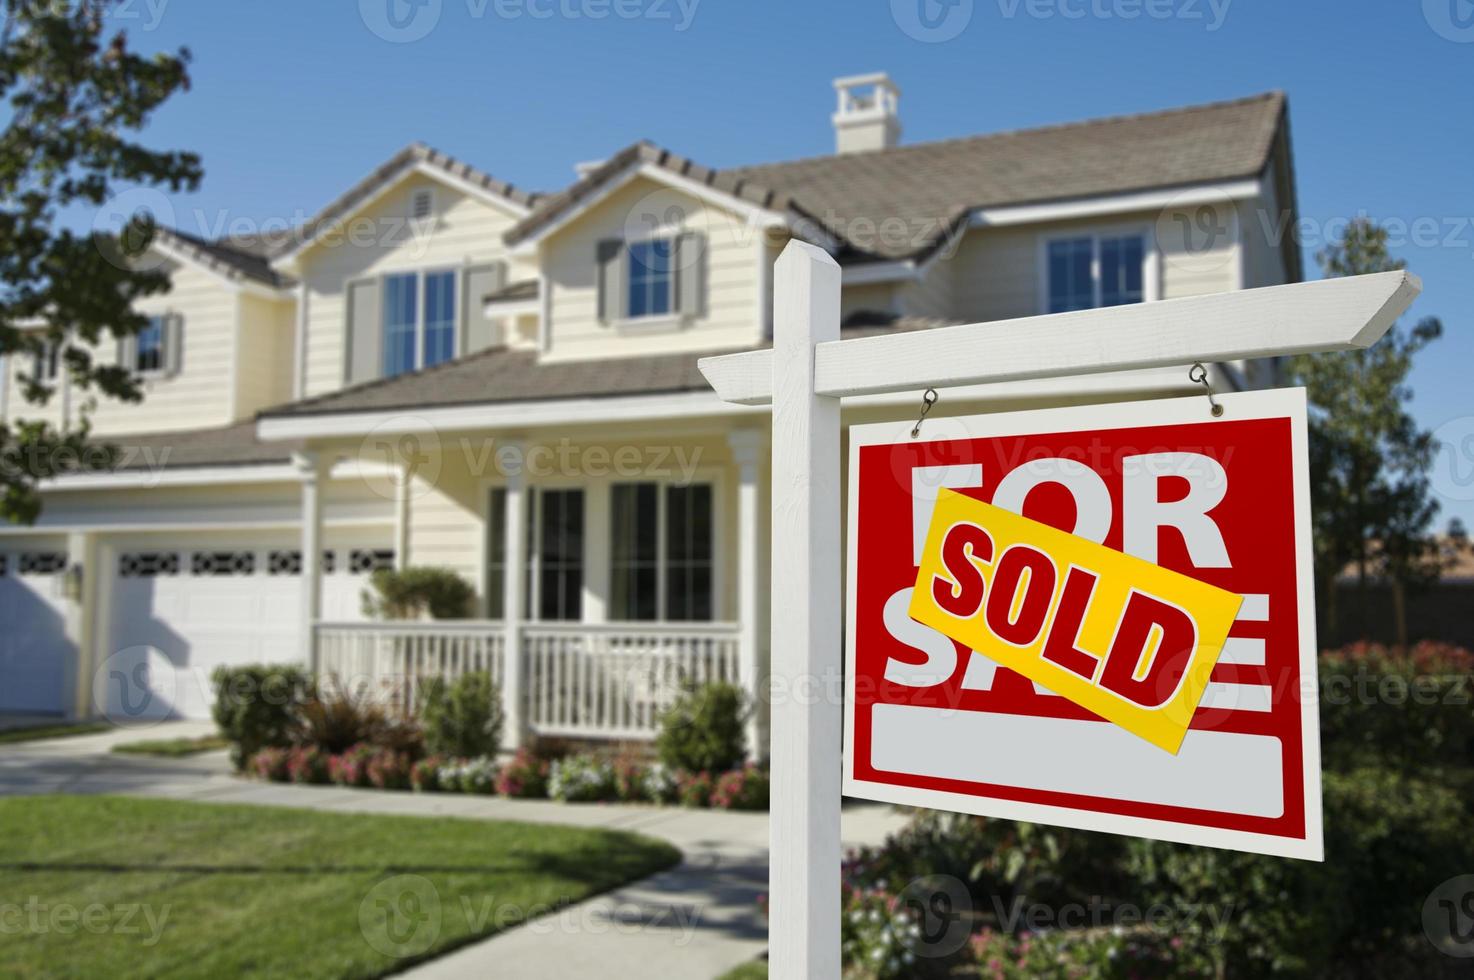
{"x":1151,"y":284}
{"x":671,"y":321}
{"x":421,"y":277}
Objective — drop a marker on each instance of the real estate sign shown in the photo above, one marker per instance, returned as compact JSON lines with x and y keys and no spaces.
{"x":1096,"y":617}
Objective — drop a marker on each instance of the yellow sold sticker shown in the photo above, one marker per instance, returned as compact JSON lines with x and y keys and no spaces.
{"x":1121,"y":637}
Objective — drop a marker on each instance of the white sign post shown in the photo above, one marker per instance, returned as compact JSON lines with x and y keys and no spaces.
{"x":806,"y":374}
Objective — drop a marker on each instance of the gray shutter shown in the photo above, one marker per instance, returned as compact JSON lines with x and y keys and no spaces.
{"x":173,"y":343}
{"x":365,"y":331}
{"x":127,"y":354}
{"x":480,"y":331}
{"x":690,"y":259}
{"x":610,"y":256}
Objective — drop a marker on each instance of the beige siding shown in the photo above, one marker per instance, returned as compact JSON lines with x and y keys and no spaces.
{"x":729,"y":317}
{"x":931,"y":295}
{"x":199,"y":396}
{"x":264,"y":363}
{"x":466,"y":230}
{"x":870,"y":298}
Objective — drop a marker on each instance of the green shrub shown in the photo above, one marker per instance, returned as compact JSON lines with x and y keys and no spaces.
{"x":703,"y":729}
{"x":1404,"y":710}
{"x":464,"y":718}
{"x":408,"y":593}
{"x":1099,"y":954}
{"x":525,"y":777}
{"x":747,"y":788}
{"x":1390,"y":839}
{"x":254,"y":705}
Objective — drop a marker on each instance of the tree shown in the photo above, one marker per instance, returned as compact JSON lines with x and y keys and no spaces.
{"x":1368,"y":458}
{"x":76,"y":95}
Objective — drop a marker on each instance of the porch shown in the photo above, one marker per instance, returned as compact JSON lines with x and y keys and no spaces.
{"x":606,"y":681}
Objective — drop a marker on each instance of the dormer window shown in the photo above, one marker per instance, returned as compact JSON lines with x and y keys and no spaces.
{"x":149,"y":353}
{"x":650,"y":278}
{"x":419,"y":324}
{"x":1086,"y":272}
{"x":422,"y":203}
{"x":47,"y":362}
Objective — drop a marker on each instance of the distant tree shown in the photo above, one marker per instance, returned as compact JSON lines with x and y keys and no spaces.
{"x":74,"y":95}
{"x":1369,"y":460}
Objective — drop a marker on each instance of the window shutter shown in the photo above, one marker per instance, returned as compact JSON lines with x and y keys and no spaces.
{"x":127,"y":354}
{"x":613,"y":278}
{"x":690,"y":260}
{"x":364,"y":331}
{"x":173,"y":343}
{"x":480,"y":280}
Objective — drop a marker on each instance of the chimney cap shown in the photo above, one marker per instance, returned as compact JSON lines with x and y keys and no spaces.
{"x":878,"y":78}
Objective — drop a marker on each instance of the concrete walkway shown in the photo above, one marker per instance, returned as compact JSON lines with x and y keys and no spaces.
{"x":697,"y":920}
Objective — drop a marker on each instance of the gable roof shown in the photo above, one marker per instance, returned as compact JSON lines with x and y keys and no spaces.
{"x":412,"y":156}
{"x":235,"y":259}
{"x":931,"y":187}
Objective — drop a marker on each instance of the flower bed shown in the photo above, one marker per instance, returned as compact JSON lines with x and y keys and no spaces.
{"x":580,"y":778}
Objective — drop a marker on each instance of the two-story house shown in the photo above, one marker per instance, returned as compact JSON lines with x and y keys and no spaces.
{"x":441,"y":369}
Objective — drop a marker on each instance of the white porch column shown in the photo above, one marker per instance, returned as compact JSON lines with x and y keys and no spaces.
{"x":511,"y":456}
{"x":403,"y":487}
{"x":748,"y":447}
{"x":310,"y":472}
{"x":81,"y":587}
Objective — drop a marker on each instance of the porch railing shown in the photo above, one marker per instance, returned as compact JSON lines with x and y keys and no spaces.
{"x":578,"y":680}
{"x":391,"y":660}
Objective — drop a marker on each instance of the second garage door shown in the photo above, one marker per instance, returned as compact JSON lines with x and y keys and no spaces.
{"x":180,"y":609}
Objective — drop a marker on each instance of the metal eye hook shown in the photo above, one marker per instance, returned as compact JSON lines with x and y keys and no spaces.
{"x":1198,"y":375}
{"x":927,"y":401}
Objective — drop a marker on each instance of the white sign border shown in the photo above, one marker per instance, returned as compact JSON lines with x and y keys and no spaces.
{"x":1276,"y":403}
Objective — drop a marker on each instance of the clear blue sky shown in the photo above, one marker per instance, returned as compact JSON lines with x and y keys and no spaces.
{"x":293,"y":101}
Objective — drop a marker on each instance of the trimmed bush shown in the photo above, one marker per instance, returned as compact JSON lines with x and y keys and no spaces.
{"x":424,"y":776}
{"x":270,"y":763}
{"x":694,"y":788}
{"x":409,"y":593}
{"x":254,"y":704}
{"x":478,"y":776}
{"x":525,"y":777}
{"x":307,"y":764}
{"x":462,"y":719}
{"x":741,"y":789}
{"x":388,"y":769}
{"x":350,"y":768}
{"x":703,"y":729}
{"x":582,"y":779}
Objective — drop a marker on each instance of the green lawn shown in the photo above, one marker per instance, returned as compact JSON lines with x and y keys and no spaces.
{"x":32,"y":733}
{"x":757,"y":970}
{"x":173,"y":748}
{"x":117,"y":887}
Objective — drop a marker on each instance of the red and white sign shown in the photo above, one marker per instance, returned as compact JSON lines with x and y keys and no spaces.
{"x":1222,"y":500}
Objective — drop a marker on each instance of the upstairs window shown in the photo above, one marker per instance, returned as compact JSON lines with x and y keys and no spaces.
{"x":650,"y":277}
{"x":148,"y":356}
{"x":419,"y":320}
{"x":1090,"y":271}
{"x":47,"y":362}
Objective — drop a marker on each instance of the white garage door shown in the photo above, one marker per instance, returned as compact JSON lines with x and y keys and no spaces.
{"x":180,"y":609}
{"x":35,"y":657}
